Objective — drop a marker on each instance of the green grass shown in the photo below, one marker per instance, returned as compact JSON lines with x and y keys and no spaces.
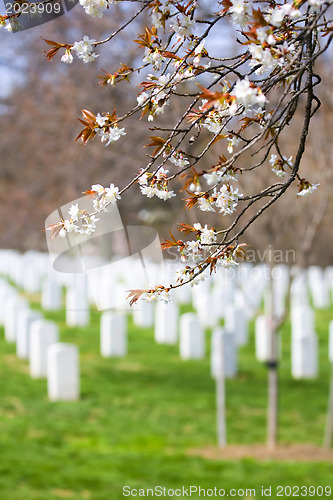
{"x":138,"y":416}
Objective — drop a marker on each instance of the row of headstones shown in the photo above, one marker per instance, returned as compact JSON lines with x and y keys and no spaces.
{"x":304,"y":346}
{"x":77,"y":308}
{"x":113,"y":342}
{"x":37,"y":340}
{"x":77,"y":314}
{"x":243,"y":288}
{"x":29,"y":270}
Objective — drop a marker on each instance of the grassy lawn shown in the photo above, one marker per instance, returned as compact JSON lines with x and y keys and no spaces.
{"x":138,"y":416}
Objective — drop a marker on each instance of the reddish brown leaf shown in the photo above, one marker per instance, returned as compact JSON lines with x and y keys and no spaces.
{"x":134,"y":295}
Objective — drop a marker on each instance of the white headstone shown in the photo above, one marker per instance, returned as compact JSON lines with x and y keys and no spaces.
{"x":63,"y":377}
{"x":51,"y":299}
{"x":13,"y":305}
{"x":299,"y":295}
{"x":319,"y":288}
{"x":330,"y":342}
{"x":166,"y":323}
{"x":31,"y":277}
{"x":198,"y":291}
{"x":192,"y":337}
{"x":222,"y":294}
{"x":235,"y":322}
{"x":43,"y":333}
{"x":304,"y":356}
{"x":113,"y":334}
{"x":206,"y":312}
{"x":143,"y":314}
{"x":302,"y":320}
{"x":6,"y":291}
{"x":263,"y":338}
{"x":25,"y":318}
{"x":77,"y":308}
{"x":223,"y":361}
{"x":328,"y":276}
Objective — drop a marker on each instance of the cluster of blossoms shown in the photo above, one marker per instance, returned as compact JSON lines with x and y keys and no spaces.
{"x":96,"y":8}
{"x":306,"y":188}
{"x":200,"y":52}
{"x":242,"y":12}
{"x":84,"y":50}
{"x":156,"y":294}
{"x":160,"y":13}
{"x":268,"y":58}
{"x":158,"y":98}
{"x":278,"y":165}
{"x":154,"y":57}
{"x":80,"y":221}
{"x":186,"y":275}
{"x":178,"y":159}
{"x":157,"y":90}
{"x":214,"y":119}
{"x":244,"y":97}
{"x":193,"y":250}
{"x":108,"y":133}
{"x":225,"y":200}
{"x":183,"y":26}
{"x":226,"y":174}
{"x":155,"y":184}
{"x":248,"y":95}
{"x":233,"y":141}
{"x":104,"y":196}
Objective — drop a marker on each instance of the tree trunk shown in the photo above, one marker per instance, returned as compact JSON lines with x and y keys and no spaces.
{"x":329,"y":418}
{"x":220,"y":401}
{"x":272,"y":421}
{"x":272,"y":414}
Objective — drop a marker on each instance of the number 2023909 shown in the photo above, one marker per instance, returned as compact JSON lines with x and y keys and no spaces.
{"x":33,"y":8}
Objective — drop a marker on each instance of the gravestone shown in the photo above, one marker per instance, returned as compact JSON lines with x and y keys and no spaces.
{"x":51,"y":299}
{"x":319,"y":288}
{"x":263,"y":338}
{"x":192,"y":337}
{"x":143,"y":314}
{"x":302,"y":319}
{"x":235,"y":322}
{"x":166,"y":323}
{"x":63,"y":377}
{"x":299,"y":295}
{"x":223,"y":361}
{"x":113,"y":334}
{"x":77,"y":307}
{"x":304,"y":355}
{"x":43,"y":333}
{"x":6,"y":291}
{"x":330,"y":342}
{"x":206,"y":312}
{"x":13,"y":305}
{"x":31,"y":277}
{"x":25,"y":318}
